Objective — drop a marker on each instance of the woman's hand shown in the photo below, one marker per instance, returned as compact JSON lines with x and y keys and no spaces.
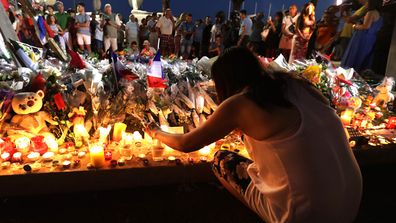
{"x":152,"y":129}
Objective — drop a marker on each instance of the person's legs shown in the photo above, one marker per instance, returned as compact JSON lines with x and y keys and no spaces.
{"x":106,"y":44}
{"x":114,"y":45}
{"x":80,"y":41}
{"x":87,"y":42}
{"x":231,"y":170}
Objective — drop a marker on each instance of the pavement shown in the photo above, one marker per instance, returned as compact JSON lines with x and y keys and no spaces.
{"x":184,"y":203}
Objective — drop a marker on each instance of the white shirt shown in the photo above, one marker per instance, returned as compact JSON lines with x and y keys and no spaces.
{"x":288,"y":21}
{"x":132,"y":29}
{"x":165,"y":25}
{"x":309,"y":176}
{"x":99,"y":33}
{"x":248,"y":24}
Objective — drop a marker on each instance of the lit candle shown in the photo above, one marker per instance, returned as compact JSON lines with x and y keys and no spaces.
{"x":48,"y":156}
{"x":171,"y":158}
{"x":205,"y":151}
{"x":138,"y":138}
{"x":97,"y":156}
{"x":17,"y":157}
{"x":22,"y":144}
{"x":104,"y":134}
{"x":346,"y":116}
{"x":51,"y":143}
{"x":119,"y":128}
{"x":33,"y":156}
{"x":108,"y":155}
{"x":6,"y":156}
{"x":127,"y":139}
{"x":142,"y":156}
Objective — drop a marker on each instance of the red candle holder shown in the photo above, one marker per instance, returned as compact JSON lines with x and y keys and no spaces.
{"x":391,"y":123}
{"x":108,"y":155}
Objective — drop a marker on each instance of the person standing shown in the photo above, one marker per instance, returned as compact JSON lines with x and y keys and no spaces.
{"x":143,"y":32}
{"x":206,"y":35}
{"x":165,"y":26}
{"x":83,"y":28}
{"x":304,"y":28}
{"x":132,"y":30}
{"x":153,"y":36}
{"x":288,"y":29}
{"x":110,"y":28}
{"x":359,"y":53}
{"x":255,"y":37}
{"x":187,"y":30}
{"x":275,"y":32}
{"x":199,"y":28}
{"x":62,"y":19}
{"x":245,"y":30}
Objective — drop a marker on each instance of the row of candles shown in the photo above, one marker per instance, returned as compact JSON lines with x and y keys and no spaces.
{"x":125,"y":141}
{"x":350,"y":118}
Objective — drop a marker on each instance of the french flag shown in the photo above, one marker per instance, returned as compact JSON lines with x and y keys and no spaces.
{"x":155,"y":73}
{"x":121,"y":70}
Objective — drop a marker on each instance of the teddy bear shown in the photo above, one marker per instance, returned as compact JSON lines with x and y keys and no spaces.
{"x":29,"y":121}
{"x":384,"y":95}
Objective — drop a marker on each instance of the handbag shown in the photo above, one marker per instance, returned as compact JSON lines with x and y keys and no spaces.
{"x":264,"y":34}
{"x":292,"y":27}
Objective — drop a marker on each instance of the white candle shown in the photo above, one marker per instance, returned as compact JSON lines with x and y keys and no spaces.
{"x":5,"y":156}
{"x":22,"y":144}
{"x":104,"y":134}
{"x":96,"y":153}
{"x":33,"y":156}
{"x":127,"y":138}
{"x":48,"y":156}
{"x":51,"y":143}
{"x":137,"y":136}
{"x":205,"y":151}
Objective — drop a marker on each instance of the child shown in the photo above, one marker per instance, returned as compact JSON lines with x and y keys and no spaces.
{"x":51,"y":20}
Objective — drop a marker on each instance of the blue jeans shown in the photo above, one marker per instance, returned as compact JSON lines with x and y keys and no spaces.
{"x":185,"y":46}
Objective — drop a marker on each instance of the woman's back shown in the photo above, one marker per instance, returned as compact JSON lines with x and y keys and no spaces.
{"x":310,"y":175}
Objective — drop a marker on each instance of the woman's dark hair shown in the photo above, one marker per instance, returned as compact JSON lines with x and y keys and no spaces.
{"x":49,"y":19}
{"x":280,"y":15}
{"x":374,"y":5}
{"x":304,"y":14}
{"x":238,"y":69}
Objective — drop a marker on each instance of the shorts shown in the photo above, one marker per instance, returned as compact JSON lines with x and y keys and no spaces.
{"x":83,"y":39}
{"x":232,"y":168}
{"x":167,"y":43}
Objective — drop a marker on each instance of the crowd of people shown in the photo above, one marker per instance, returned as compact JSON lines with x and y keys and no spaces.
{"x":294,"y":33}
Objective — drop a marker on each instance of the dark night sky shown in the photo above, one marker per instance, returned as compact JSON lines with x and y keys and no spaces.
{"x":201,"y":8}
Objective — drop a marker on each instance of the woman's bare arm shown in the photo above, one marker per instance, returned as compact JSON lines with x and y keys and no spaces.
{"x":220,"y":123}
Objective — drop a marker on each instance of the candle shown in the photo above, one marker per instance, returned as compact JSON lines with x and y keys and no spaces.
{"x":17,"y":157}
{"x":148,"y":138}
{"x":119,"y":128}
{"x":33,"y":156}
{"x":6,"y":156}
{"x":81,"y":154}
{"x":36,"y":167}
{"x":66,"y":164}
{"x":108,"y":155}
{"x":137,"y":136}
{"x":142,"y":156}
{"x":205,"y":151}
{"x":5,"y":165}
{"x":127,"y":139}
{"x":157,"y":150}
{"x":51,"y":143}
{"x":171,"y":158}
{"x":22,"y":144}
{"x":97,"y":156}
{"x":346,"y":116}
{"x":104,"y":134}
{"x":48,"y":156}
